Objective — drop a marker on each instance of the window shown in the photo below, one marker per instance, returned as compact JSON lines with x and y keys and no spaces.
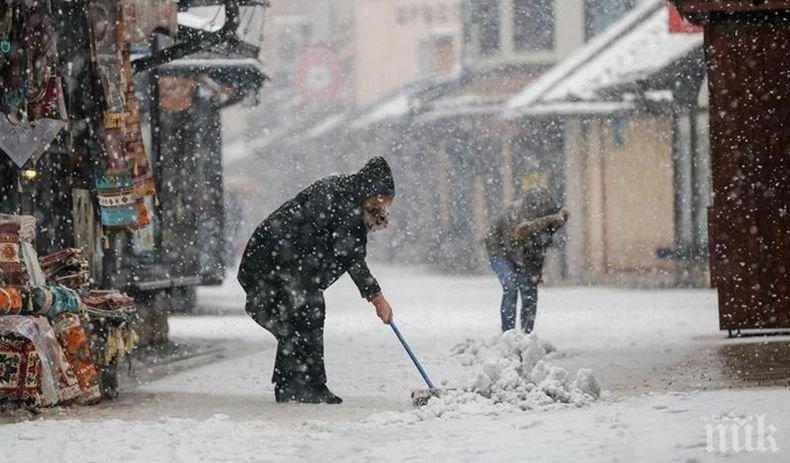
{"x":486,"y":21}
{"x":533,"y":25}
{"x":436,"y":55}
{"x":600,"y":14}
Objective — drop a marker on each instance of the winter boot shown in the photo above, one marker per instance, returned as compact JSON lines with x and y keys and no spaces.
{"x":322,"y":394}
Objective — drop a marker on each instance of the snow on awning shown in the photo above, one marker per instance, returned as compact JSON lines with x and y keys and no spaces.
{"x":392,"y":108}
{"x":326,"y":125}
{"x":212,"y":18}
{"x":406,"y":100}
{"x":208,"y":19}
{"x":463,"y":105}
{"x":634,"y":48}
{"x":219,"y":62}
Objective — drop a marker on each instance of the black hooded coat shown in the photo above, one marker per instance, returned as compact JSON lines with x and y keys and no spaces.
{"x":317,"y":236}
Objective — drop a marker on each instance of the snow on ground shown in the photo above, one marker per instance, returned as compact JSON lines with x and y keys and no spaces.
{"x":225,"y":411}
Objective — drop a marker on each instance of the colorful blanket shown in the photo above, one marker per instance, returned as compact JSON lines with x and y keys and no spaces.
{"x":20,"y":372}
{"x":10,"y":301}
{"x":74,"y":342}
{"x":68,"y":268}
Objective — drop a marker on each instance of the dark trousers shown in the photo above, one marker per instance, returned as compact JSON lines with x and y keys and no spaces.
{"x":515,"y":281}
{"x":295,"y":316}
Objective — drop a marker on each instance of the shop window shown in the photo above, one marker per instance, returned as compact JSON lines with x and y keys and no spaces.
{"x":486,"y":20}
{"x":533,"y":25}
{"x":600,"y":14}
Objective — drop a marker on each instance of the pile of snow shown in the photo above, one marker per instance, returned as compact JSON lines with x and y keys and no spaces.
{"x":513,"y":369}
{"x":513,"y":374}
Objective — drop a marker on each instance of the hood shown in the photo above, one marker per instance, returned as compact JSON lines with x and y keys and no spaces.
{"x":374,"y":179}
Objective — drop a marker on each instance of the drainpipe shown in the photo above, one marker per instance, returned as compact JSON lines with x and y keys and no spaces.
{"x":197,"y":40}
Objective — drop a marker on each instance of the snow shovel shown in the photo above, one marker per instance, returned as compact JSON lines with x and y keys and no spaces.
{"x":418,"y":397}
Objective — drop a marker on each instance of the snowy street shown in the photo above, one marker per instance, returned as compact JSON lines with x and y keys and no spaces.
{"x":668,"y":371}
{"x":474,"y":231}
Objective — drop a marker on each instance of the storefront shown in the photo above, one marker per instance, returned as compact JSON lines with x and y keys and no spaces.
{"x":90,"y":155}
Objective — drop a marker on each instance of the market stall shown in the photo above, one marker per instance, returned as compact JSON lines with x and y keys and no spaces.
{"x":83,"y":206}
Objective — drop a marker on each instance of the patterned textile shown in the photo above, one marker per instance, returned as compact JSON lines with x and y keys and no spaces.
{"x":13,"y":274}
{"x":123,"y":176}
{"x":109,"y":304}
{"x":9,"y":252}
{"x":20,"y":372}
{"x":29,"y":328}
{"x":18,"y":261}
{"x":10,"y":232}
{"x":134,"y":151}
{"x":31,"y":95}
{"x":142,"y":17}
{"x":64,"y":300}
{"x":111,"y":339}
{"x":10,"y":301}
{"x":62,"y":375}
{"x":74,"y":341}
{"x":66,"y":267}
{"x":40,"y":300}
{"x":45,"y":92}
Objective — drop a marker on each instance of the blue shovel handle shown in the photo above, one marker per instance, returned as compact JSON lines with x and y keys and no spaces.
{"x":411,"y":354}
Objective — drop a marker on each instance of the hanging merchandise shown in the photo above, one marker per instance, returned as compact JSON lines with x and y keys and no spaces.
{"x":134,"y":150}
{"x":143,"y":17}
{"x":31,"y":94}
{"x":123,"y":176}
{"x":114,"y":184}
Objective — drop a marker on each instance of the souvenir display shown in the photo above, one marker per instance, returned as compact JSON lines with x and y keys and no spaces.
{"x":56,"y":346}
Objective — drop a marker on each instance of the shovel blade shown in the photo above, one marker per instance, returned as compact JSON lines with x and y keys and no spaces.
{"x":421,"y":397}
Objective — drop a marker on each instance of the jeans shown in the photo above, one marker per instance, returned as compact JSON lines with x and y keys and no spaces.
{"x":515,"y":281}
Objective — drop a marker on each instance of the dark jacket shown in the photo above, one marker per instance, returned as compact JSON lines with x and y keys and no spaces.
{"x":537,"y":209}
{"x":317,"y":236}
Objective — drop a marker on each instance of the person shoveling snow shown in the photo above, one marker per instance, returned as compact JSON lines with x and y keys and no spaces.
{"x":299,"y":251}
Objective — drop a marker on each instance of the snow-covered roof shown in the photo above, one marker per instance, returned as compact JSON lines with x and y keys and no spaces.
{"x":635,"y":47}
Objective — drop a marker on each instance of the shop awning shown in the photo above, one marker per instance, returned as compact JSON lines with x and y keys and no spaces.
{"x":637,"y":49}
{"x":233,"y":65}
{"x":404,"y":101}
